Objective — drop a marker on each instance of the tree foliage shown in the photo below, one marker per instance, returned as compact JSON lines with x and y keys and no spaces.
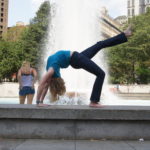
{"x":9,"y":56}
{"x":14,"y":33}
{"x":24,"y":43}
{"x":130,"y":62}
{"x":34,"y":36}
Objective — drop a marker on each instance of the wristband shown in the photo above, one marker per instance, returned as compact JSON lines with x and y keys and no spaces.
{"x":39,"y":102}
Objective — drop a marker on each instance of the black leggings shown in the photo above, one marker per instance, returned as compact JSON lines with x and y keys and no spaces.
{"x":83,"y":60}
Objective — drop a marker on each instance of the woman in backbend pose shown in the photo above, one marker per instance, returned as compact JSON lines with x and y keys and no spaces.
{"x":62,"y":59}
{"x":27,"y":77}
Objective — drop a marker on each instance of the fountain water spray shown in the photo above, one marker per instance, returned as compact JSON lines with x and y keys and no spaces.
{"x":75,"y":25}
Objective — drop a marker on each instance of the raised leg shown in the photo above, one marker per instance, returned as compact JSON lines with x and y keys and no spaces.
{"x":92,"y":51}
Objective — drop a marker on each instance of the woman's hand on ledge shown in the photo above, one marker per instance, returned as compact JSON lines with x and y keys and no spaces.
{"x":42,"y":105}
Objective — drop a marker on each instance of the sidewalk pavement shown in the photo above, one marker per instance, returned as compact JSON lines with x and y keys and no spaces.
{"x":36,"y":144}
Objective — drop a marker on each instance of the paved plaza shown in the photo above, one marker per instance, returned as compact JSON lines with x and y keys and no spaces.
{"x":36,"y":144}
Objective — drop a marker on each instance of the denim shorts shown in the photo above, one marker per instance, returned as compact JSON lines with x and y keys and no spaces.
{"x":26,"y":90}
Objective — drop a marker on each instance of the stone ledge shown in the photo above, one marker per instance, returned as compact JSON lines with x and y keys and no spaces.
{"x":74,"y":122}
{"x":74,"y":112}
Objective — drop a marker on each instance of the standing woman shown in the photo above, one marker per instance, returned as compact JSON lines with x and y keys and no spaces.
{"x":27,"y":77}
{"x":62,"y":59}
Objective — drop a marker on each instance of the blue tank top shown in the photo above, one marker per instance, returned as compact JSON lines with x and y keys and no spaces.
{"x":60,"y":59}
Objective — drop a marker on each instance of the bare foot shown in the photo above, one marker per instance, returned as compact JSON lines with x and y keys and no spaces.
{"x":96,"y":105}
{"x":128,"y":31}
{"x":42,"y":105}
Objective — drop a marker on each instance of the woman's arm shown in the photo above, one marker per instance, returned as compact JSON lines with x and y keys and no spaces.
{"x":43,"y":85}
{"x":19,"y":78}
{"x":44,"y":93}
{"x":34,"y":75}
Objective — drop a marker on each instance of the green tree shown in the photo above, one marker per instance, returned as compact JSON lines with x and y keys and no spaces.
{"x":34,"y":37}
{"x":24,"y":43}
{"x":9,"y":56}
{"x":14,"y":33}
{"x":130,"y":62}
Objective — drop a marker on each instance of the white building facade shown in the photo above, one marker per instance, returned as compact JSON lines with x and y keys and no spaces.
{"x":137,"y":7}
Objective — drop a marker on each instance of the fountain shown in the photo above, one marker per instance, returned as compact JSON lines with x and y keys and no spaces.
{"x":75,"y":122}
{"x":75,"y":25}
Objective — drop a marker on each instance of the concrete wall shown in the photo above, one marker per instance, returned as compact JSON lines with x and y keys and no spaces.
{"x":74,"y":122}
{"x":133,"y":88}
{"x":11,"y":89}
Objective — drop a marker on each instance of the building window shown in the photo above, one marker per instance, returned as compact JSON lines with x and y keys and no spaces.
{"x":2,"y":4}
{"x":132,"y":3}
{"x":141,"y":10}
{"x":128,"y":12}
{"x":2,"y":9}
{"x":132,"y":12}
{"x":1,"y":27}
{"x":1,"y":20}
{"x":128,"y":3}
{"x":2,"y":15}
{"x":141,"y":2}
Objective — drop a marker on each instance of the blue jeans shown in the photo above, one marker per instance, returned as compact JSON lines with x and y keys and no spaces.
{"x":83,"y":60}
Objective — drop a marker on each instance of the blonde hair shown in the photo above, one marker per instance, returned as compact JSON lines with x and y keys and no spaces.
{"x":25,"y":68}
{"x":57,"y":88}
